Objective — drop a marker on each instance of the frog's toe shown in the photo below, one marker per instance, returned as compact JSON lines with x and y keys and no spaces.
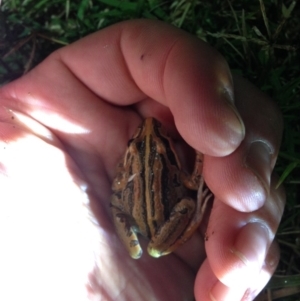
{"x":135,"y":249}
{"x":156,"y":253}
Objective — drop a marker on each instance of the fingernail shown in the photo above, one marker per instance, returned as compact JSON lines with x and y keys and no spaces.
{"x":236,"y":124}
{"x":258,"y":160}
{"x":239,"y":123}
{"x":272,"y":257}
{"x":229,"y":96}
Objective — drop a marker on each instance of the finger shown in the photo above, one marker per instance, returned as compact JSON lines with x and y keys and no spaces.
{"x":238,"y":243}
{"x":242,"y":179}
{"x":132,"y":61}
{"x":266,"y":272}
{"x":208,"y":287}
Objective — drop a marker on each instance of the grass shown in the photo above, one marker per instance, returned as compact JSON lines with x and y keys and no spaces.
{"x":260,"y":39}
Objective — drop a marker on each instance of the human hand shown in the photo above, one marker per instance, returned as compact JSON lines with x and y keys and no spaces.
{"x":64,"y":127}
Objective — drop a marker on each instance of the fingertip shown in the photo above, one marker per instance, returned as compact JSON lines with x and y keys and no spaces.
{"x":209,"y":288}
{"x":225,"y":140}
{"x":227,"y":129}
{"x":234,"y":183}
{"x":215,"y":127}
{"x":222,"y":292}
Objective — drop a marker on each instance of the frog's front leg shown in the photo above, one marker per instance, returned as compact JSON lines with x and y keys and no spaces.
{"x":125,"y":229}
{"x":193,"y":181}
{"x":185,"y":218}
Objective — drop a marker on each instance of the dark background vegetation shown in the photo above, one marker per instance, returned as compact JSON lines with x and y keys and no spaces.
{"x":259,"y":38}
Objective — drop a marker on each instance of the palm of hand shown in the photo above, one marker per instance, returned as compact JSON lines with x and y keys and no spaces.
{"x":119,"y":276}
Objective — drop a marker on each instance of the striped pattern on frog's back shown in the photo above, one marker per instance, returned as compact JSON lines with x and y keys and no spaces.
{"x":150,"y":166}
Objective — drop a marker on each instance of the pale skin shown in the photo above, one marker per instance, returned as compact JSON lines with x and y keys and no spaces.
{"x":91,"y":96}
